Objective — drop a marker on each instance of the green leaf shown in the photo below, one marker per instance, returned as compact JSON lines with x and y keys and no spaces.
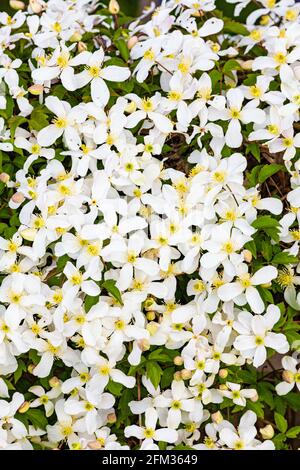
{"x":231,"y":26}
{"x":159,"y":355}
{"x":61,"y":262}
{"x":293,"y":400}
{"x":115,"y":388}
{"x":284,"y":258}
{"x":110,"y":286}
{"x":14,"y":122}
{"x":293,"y":432}
{"x":124,"y":51}
{"x":37,"y":418}
{"x":265,"y":221}
{"x":18,"y":373}
{"x":267,"y":171}
{"x":280,"y":422}
{"x":253,"y":148}
{"x":154,"y":373}
{"x":230,"y":65}
{"x":89,"y":302}
{"x":38,"y":119}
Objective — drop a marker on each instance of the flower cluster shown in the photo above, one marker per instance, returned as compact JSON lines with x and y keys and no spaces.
{"x":149,"y":255}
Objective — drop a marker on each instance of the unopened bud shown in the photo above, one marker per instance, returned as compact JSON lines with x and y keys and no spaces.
{"x":267,"y":432}
{"x":223,"y":387}
{"x":113,"y":7}
{"x":16,"y":5}
{"x":36,"y":89}
{"x":267,"y":285}
{"x":95,"y":445}
{"x":247,"y":256}
{"x":132,"y":42}
{"x":54,"y":382}
{"x":178,"y":361}
{"x":144,"y":344}
{"x":131,"y":108}
{"x":111,"y":418}
{"x":24,"y":407}
{"x":288,"y":376}
{"x":18,"y":198}
{"x":177,"y":376}
{"x":150,"y":315}
{"x":81,"y":46}
{"x":254,"y":398}
{"x":217,"y":417}
{"x":35,"y":6}
{"x":4,"y":177}
{"x":152,"y":328}
{"x":247,"y":64}
{"x":28,"y":234}
{"x":223,"y":373}
{"x":186,"y":374}
{"x":76,"y":37}
{"x":30,"y":368}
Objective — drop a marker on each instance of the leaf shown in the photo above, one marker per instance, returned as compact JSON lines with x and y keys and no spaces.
{"x":253,"y":148}
{"x":154,"y":373}
{"x":115,"y":388}
{"x":230,"y":65}
{"x":110,"y":286}
{"x":293,"y":432}
{"x":257,"y":407}
{"x":267,"y":171}
{"x":265,"y":221}
{"x":293,"y":400}
{"x":252,"y":248}
{"x":89,"y":302}
{"x":280,"y":422}
{"x":284,"y":258}
{"x":18,"y":373}
{"x":61,"y":262}
{"x":124,"y":51}
{"x":231,"y":26}
{"x":38,"y":119}
{"x":159,"y":355}
{"x":37,"y":418}
{"x":14,"y":122}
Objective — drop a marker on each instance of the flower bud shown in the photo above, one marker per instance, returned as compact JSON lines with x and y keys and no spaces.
{"x":144,"y":344}
{"x":223,"y":387}
{"x":30,"y":368}
{"x":186,"y":374}
{"x":111,"y":418}
{"x":247,"y":64}
{"x":18,"y":198}
{"x":254,"y":398}
{"x":114,"y":7}
{"x":223,"y":373}
{"x":28,"y":234}
{"x":177,"y":376}
{"x":266,"y":286}
{"x":267,"y":432}
{"x":152,"y":328}
{"x":76,"y":37}
{"x":217,"y":417}
{"x":131,"y":108}
{"x":35,"y":6}
{"x":178,"y":361}
{"x":150,"y":315}
{"x":36,"y":89}
{"x":247,"y":256}
{"x":16,"y":5}
{"x":95,"y":445}
{"x":81,"y":46}
{"x":288,"y":376}
{"x":54,"y":382}
{"x":24,"y":407}
{"x":132,"y":42}
{"x":4,"y":177}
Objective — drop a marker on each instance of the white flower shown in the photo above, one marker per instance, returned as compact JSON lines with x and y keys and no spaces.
{"x":256,"y":335}
{"x":291,"y":374}
{"x":149,"y":431}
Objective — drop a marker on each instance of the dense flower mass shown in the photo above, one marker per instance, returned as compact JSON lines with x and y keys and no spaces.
{"x":150,"y":210}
